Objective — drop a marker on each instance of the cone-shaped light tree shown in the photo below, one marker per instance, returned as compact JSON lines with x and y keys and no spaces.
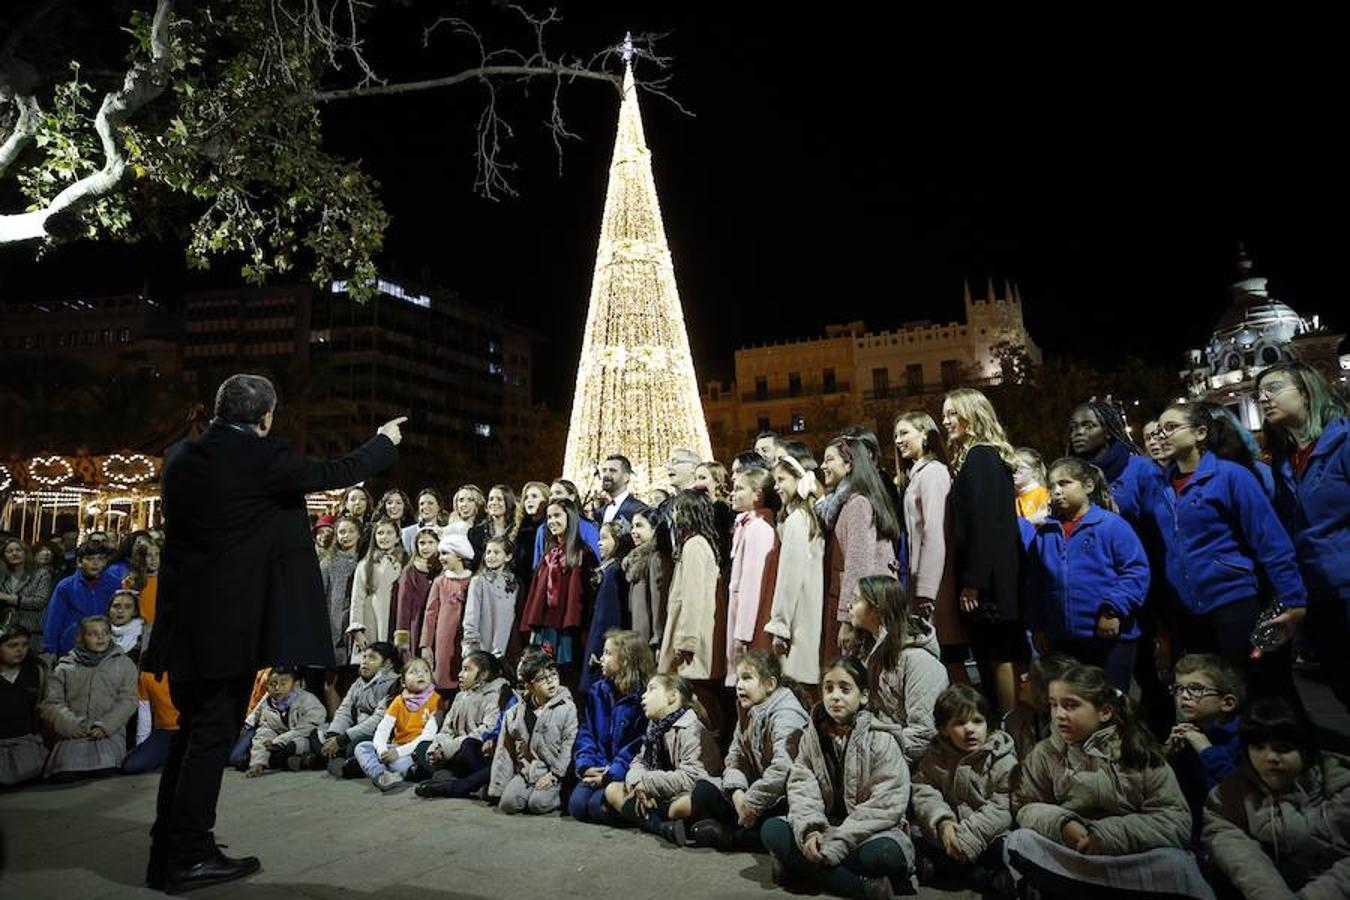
{"x":636,"y":392}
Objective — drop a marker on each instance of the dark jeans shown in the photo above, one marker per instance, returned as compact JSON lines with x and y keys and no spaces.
{"x":1159,"y":709}
{"x":1227,"y":631}
{"x":209,"y":713}
{"x":466,"y":773}
{"x":875,"y":858}
{"x":587,"y":804}
{"x":149,"y":754}
{"x":1116,"y":657}
{"x":708,"y":802}
{"x":977,"y":876}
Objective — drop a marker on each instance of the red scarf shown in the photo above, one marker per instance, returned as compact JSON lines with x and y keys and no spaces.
{"x":555,"y":567}
{"x":1300,"y":458}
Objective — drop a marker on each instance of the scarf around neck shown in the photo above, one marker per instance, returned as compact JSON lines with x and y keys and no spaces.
{"x":284,"y":703}
{"x":128,"y":636}
{"x":555,"y":566}
{"x":86,"y":657}
{"x":1112,"y":460}
{"x":413,"y":701}
{"x":654,"y":752}
{"x":828,"y":507}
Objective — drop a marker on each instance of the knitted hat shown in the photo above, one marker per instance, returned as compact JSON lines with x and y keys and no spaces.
{"x":457,"y":544}
{"x":324,"y":522}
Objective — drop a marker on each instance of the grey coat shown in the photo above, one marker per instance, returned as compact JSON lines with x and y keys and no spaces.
{"x":970,"y":789}
{"x":547,"y":750}
{"x":1129,"y":810}
{"x":304,"y":716}
{"x":875,"y":788}
{"x":1292,"y":844}
{"x":906,"y":694}
{"x":80,"y":697}
{"x":33,"y":590}
{"x":693,"y":754}
{"x":361,"y":710}
{"x":761,"y":753}
{"x":489,"y":612}
{"x":337,"y":571}
{"x":473,"y":714}
{"x":648,"y":571}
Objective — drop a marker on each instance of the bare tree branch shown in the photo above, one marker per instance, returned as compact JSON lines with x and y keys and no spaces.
{"x":144,"y":82}
{"x":25,"y":126}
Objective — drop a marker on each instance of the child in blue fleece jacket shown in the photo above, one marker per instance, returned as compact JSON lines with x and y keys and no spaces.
{"x":612,"y":725}
{"x":1203,"y":747}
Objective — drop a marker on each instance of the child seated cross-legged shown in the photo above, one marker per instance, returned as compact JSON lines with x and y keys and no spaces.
{"x":611,"y":730}
{"x":359,"y":714}
{"x":280,"y":725}
{"x":1203,"y":747}
{"x":1098,"y":806}
{"x":23,"y":678}
{"x":960,"y":796}
{"x":534,"y":751}
{"x":91,"y":696}
{"x":409,"y":720}
{"x":1280,"y":826}
{"x":848,"y":791}
{"x":677,"y":750}
{"x":770,"y":724}
{"x":457,"y":758}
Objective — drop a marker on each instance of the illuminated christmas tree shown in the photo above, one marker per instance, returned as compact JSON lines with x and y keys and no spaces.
{"x":636,"y":390}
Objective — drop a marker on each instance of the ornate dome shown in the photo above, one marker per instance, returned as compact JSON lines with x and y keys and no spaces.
{"x":1255,"y":330}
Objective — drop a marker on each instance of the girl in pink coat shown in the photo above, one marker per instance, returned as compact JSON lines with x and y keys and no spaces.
{"x":442,"y":623}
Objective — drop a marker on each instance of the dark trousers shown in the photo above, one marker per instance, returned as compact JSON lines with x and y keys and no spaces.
{"x":708,"y":802}
{"x":149,"y":754}
{"x":587,"y":804}
{"x":875,"y":858}
{"x":1154,"y":698}
{"x":1328,"y":624}
{"x":978,"y":876}
{"x":1227,"y":632}
{"x":467,"y":772}
{"x":209,"y":713}
{"x":1116,"y":657}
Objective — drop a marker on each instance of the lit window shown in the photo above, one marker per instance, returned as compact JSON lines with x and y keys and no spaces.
{"x":482,"y":429}
{"x":798,"y":422}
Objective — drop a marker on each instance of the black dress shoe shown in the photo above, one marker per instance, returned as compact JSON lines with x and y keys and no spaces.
{"x":155,"y":878}
{"x":710,"y":833}
{"x":179,"y":878}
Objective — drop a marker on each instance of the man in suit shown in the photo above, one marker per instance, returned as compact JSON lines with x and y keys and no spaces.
{"x":239,"y":590}
{"x":614,"y":500}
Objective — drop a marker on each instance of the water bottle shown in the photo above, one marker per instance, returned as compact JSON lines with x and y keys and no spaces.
{"x":1267,"y":636}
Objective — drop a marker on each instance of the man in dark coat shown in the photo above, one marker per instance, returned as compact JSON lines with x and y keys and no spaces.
{"x":239,"y":590}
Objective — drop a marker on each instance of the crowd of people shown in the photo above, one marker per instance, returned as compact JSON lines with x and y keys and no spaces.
{"x":778,"y":656}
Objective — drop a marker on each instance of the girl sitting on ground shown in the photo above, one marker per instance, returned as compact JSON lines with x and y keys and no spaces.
{"x":613,"y":724}
{"x":91,"y":696}
{"x":455,"y":758}
{"x":409,"y":720}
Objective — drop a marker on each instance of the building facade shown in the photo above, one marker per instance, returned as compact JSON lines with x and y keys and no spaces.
{"x":1255,"y":332}
{"x":814,"y":387}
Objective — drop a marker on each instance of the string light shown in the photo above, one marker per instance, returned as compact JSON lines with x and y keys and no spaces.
{"x":6,"y":477}
{"x":39,"y":466}
{"x":636,"y":391}
{"x":126,"y":470}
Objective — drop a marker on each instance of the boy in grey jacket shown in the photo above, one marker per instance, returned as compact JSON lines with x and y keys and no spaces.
{"x":280,"y":725}
{"x":357,"y":716}
{"x":535,"y":749}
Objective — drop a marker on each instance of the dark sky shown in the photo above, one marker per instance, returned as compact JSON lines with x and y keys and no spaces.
{"x":846,"y":162}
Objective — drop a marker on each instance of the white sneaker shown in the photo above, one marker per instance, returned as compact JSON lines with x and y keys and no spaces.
{"x":387,"y":781}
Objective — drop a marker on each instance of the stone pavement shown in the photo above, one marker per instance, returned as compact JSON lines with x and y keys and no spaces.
{"x":320,"y":838}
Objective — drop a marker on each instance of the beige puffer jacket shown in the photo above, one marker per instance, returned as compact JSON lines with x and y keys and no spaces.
{"x":303,"y":717}
{"x":532,"y":755}
{"x":761,"y":752}
{"x":473,"y":714}
{"x":1129,"y":810}
{"x":907,"y":693}
{"x":82,"y":697}
{"x":693,"y":753}
{"x":971,"y":789}
{"x":875,"y":788}
{"x":1292,"y":844}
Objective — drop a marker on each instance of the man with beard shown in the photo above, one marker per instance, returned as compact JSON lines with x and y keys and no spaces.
{"x":614,"y":501}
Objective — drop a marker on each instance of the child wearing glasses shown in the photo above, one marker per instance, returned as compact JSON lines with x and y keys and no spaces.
{"x":1203,"y":747}
{"x":537,"y":738}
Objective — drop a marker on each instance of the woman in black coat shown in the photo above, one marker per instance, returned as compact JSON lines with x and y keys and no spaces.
{"x":988,"y":542}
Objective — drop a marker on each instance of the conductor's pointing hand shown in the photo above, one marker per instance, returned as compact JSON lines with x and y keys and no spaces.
{"x":391,"y":430}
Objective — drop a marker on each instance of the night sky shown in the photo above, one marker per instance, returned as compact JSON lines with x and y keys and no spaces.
{"x":848,"y":163}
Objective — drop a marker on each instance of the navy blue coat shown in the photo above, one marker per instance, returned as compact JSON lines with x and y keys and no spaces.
{"x":1316,"y":511}
{"x":1068,"y":582}
{"x":1218,"y":533}
{"x":610,"y":731}
{"x":611,"y":602}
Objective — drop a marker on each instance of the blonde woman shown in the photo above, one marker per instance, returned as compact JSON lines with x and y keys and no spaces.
{"x":987,"y":542}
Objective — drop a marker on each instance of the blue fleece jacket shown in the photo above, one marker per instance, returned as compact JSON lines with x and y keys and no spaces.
{"x":611,"y":730}
{"x":1069,"y":582}
{"x":1316,"y":511}
{"x":1218,"y":533}
{"x":73,"y":599}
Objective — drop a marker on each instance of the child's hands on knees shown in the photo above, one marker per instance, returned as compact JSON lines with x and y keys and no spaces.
{"x":947,"y":834}
{"x":546,"y":781}
{"x":253,"y":771}
{"x":593,"y":777}
{"x":745,"y":816}
{"x":487,"y":748}
{"x":389,"y":755}
{"x":97,"y":733}
{"x":811,"y":847}
{"x":644,"y":802}
{"x":435,"y":755}
{"x":329,"y":748}
{"x":1074,"y":833}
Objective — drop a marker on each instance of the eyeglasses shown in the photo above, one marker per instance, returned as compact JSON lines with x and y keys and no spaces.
{"x":1195,"y":691}
{"x":545,"y":677}
{"x":1167,"y":429}
{"x":1270,"y":390}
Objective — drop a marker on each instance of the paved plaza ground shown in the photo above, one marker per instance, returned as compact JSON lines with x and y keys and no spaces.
{"x":320,"y":838}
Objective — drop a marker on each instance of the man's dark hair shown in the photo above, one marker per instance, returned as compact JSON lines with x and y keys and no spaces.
{"x":772,"y":435}
{"x":623,"y":461}
{"x":244,"y":399}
